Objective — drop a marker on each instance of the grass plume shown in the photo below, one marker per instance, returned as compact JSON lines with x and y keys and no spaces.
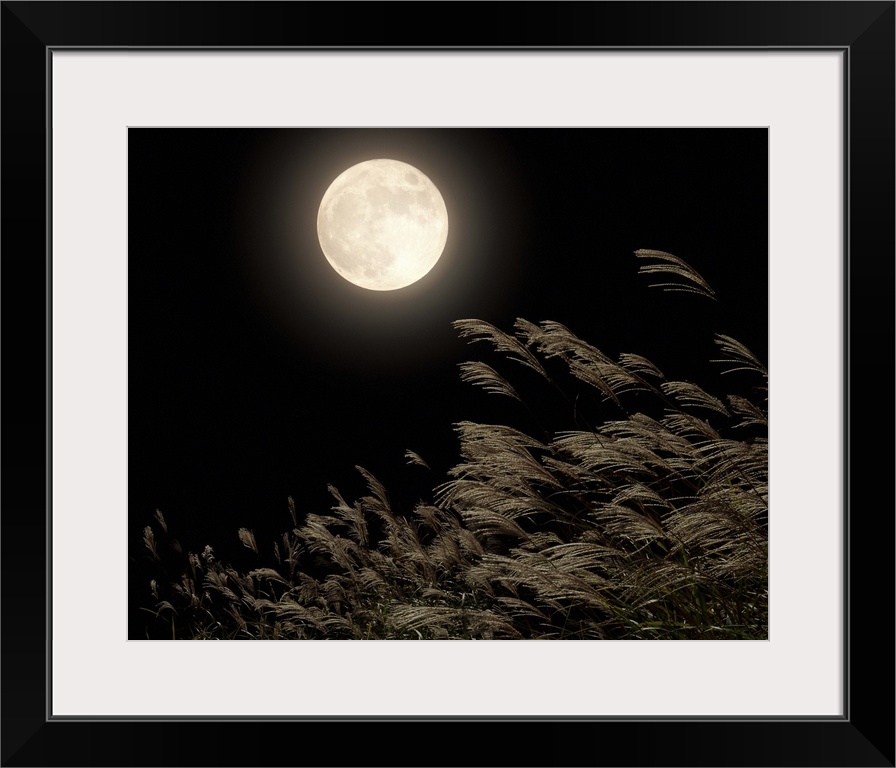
{"x":649,"y":525}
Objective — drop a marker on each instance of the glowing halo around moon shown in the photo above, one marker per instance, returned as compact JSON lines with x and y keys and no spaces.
{"x":382,"y":224}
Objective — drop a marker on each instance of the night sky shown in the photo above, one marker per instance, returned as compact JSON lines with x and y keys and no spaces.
{"x":256,"y":372}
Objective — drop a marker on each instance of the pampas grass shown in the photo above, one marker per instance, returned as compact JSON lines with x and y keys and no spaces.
{"x":650,"y":525}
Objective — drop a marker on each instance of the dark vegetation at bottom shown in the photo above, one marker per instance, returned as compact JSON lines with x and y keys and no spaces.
{"x":651,"y":525}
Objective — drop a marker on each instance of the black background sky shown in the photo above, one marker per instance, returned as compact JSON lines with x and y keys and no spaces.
{"x":257,"y":373}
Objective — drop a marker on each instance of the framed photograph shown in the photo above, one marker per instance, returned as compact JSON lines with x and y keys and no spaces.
{"x":562,"y":333}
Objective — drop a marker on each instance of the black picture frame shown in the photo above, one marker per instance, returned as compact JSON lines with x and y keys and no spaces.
{"x":863,"y":736}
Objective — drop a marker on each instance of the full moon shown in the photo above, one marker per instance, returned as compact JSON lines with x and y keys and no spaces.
{"x":382,"y":224}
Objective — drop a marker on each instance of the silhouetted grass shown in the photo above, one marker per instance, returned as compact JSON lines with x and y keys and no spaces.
{"x":653,"y":525}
